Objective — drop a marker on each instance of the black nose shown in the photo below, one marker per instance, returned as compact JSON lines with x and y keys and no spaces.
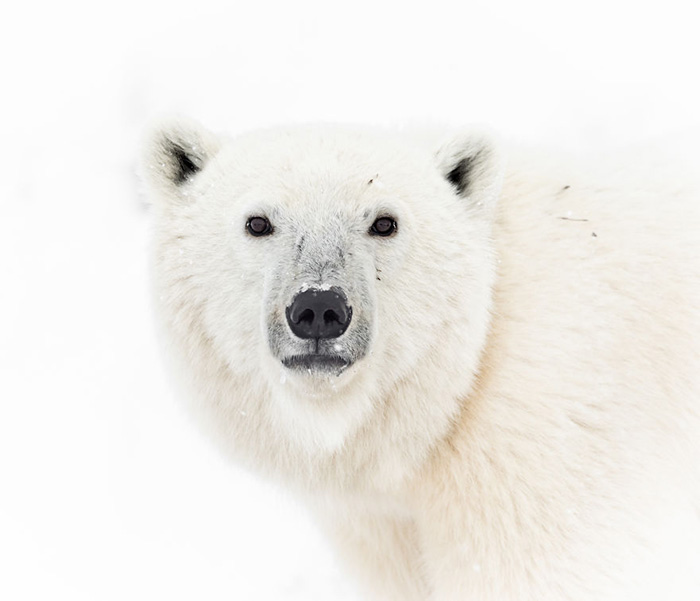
{"x":319,"y":313}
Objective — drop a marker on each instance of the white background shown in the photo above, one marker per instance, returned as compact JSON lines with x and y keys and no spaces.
{"x":107,"y":492}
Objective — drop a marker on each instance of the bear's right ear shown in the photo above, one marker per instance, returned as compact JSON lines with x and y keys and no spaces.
{"x":174,"y":152}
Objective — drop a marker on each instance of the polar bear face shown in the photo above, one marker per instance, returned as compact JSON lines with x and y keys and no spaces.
{"x":321,"y":267}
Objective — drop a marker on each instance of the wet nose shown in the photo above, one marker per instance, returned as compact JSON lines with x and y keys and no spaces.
{"x":318,"y":313}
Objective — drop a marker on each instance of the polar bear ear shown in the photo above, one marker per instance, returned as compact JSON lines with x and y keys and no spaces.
{"x":175,"y":152}
{"x":472,"y":163}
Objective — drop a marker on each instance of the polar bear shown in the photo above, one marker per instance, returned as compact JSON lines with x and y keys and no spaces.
{"x":483,"y":375}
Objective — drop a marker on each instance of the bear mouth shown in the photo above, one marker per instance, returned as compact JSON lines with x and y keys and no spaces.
{"x":317,"y":362}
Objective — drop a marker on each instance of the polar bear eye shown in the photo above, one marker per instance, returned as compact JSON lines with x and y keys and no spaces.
{"x":384,"y":226}
{"x":258,"y":226}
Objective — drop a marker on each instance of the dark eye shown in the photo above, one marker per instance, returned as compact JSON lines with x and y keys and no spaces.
{"x":384,"y":226}
{"x":258,"y":226}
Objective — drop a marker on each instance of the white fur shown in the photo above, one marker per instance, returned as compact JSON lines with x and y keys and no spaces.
{"x":526,"y":422}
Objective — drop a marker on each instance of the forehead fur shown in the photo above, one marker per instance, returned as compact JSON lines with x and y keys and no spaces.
{"x":310,"y":165}
{"x":332,"y":145}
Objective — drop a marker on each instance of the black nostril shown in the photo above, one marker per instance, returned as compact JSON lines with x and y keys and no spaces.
{"x":306,"y":316}
{"x":319,"y":313}
{"x":330,"y":316}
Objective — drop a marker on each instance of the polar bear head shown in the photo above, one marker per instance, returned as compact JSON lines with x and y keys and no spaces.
{"x":322,"y":283}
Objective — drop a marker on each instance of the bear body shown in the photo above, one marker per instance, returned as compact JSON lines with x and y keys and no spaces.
{"x":482,"y":375}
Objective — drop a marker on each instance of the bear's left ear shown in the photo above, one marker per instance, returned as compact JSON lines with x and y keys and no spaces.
{"x":175,"y":151}
{"x":472,"y":163}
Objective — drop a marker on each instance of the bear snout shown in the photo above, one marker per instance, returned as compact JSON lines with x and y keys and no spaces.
{"x":319,"y":314}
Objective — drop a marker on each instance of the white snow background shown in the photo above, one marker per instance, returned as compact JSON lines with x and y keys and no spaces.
{"x":107,"y":491}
